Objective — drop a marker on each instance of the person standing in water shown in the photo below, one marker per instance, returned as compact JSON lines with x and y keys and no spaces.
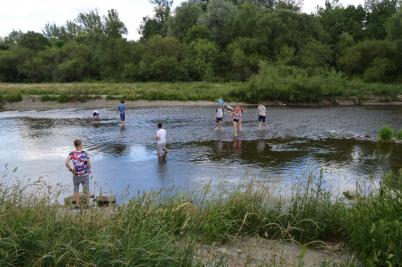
{"x":95,"y":117}
{"x":121,"y":109}
{"x":161,"y":141}
{"x":262,"y":113}
{"x":80,"y":170}
{"x":219,"y":117}
{"x":236,"y":115}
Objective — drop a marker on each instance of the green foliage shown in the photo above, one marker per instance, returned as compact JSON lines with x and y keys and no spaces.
{"x":385,"y":133}
{"x":291,"y":84}
{"x":377,"y":60}
{"x":158,"y":24}
{"x":186,"y":16}
{"x":378,"y":12}
{"x":155,"y":228}
{"x":398,"y":134}
{"x":374,"y":225}
{"x":338,"y":20}
{"x":211,"y":40}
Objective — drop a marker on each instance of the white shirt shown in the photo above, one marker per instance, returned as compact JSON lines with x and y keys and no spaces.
{"x":161,"y":134}
{"x":219,"y":112}
{"x":262,"y":111}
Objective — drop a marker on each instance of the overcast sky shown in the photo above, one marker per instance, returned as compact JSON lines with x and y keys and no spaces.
{"x":33,"y":15}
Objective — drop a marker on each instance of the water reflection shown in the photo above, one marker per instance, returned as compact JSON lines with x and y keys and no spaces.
{"x":297,"y":140}
{"x":361,"y":156}
{"x":237,"y":146}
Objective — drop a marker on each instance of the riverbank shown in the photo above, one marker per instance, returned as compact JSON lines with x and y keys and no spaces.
{"x":101,"y":102}
{"x":208,"y":227}
{"x":105,"y":95}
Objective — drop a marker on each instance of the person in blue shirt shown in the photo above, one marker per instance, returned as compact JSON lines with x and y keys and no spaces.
{"x":121,"y":109}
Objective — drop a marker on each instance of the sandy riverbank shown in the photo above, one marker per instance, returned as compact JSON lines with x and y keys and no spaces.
{"x":34,"y":103}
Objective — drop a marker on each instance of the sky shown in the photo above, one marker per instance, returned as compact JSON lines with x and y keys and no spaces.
{"x":33,"y":15}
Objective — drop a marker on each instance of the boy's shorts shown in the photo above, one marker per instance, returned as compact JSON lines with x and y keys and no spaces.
{"x":218,"y":120}
{"x":261,"y":118}
{"x":161,"y":149}
{"x":122,"y":116}
{"x":84,"y":180}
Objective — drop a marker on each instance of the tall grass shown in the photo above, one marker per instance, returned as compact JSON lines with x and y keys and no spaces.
{"x":273,"y":83}
{"x":157,"y":229}
{"x":129,"y":91}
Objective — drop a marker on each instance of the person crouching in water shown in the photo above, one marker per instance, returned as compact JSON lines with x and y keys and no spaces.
{"x":80,"y":170}
{"x":262,"y":113}
{"x":219,"y":117}
{"x":236,"y":115}
{"x":161,"y":141}
{"x":95,"y":117}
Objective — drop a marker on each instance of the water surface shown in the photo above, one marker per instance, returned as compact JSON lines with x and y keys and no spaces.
{"x":337,"y":143}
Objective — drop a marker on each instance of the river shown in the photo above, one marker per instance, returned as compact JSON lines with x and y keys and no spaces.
{"x":338,"y":142}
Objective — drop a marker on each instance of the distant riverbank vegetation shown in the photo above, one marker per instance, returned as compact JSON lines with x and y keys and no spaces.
{"x":271,"y":48}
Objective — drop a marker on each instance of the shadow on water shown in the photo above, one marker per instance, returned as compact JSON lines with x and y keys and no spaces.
{"x":114,"y":149}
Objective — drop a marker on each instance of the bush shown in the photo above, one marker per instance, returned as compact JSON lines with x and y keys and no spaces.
{"x":385,"y":133}
{"x":46,"y":98}
{"x":14,"y":97}
{"x":292,"y":84}
{"x":374,"y":225}
{"x":64,"y":98}
{"x":398,"y":134}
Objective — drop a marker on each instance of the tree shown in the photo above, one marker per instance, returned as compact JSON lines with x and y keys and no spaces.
{"x":393,"y":26}
{"x":215,"y":19}
{"x":186,"y":16}
{"x":90,"y":23}
{"x":337,"y":20}
{"x":11,"y":62}
{"x":200,"y":59}
{"x":244,"y":59}
{"x":292,"y":5}
{"x":243,"y":21}
{"x":368,"y":56}
{"x":316,"y":54}
{"x":114,"y":27}
{"x":33,"y":40}
{"x":158,"y":24}
{"x":281,"y":27}
{"x":378,"y":12}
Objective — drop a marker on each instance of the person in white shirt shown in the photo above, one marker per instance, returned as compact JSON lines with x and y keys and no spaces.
{"x":219,"y":116}
{"x":161,"y":141}
{"x":262,"y":114}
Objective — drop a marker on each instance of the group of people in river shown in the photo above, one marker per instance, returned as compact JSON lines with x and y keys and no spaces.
{"x":236,"y":114}
{"x":81,"y":168}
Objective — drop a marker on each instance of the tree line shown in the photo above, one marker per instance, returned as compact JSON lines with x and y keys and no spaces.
{"x":212,"y":40}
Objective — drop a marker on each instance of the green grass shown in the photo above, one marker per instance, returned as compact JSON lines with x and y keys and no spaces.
{"x":385,"y":134}
{"x":273,"y":83}
{"x":63,"y":92}
{"x":398,"y":134}
{"x":157,"y":229}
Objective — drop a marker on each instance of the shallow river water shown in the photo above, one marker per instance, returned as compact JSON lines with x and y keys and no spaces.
{"x":338,"y":142}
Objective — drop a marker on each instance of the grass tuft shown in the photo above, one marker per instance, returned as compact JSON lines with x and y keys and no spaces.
{"x":385,"y":133}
